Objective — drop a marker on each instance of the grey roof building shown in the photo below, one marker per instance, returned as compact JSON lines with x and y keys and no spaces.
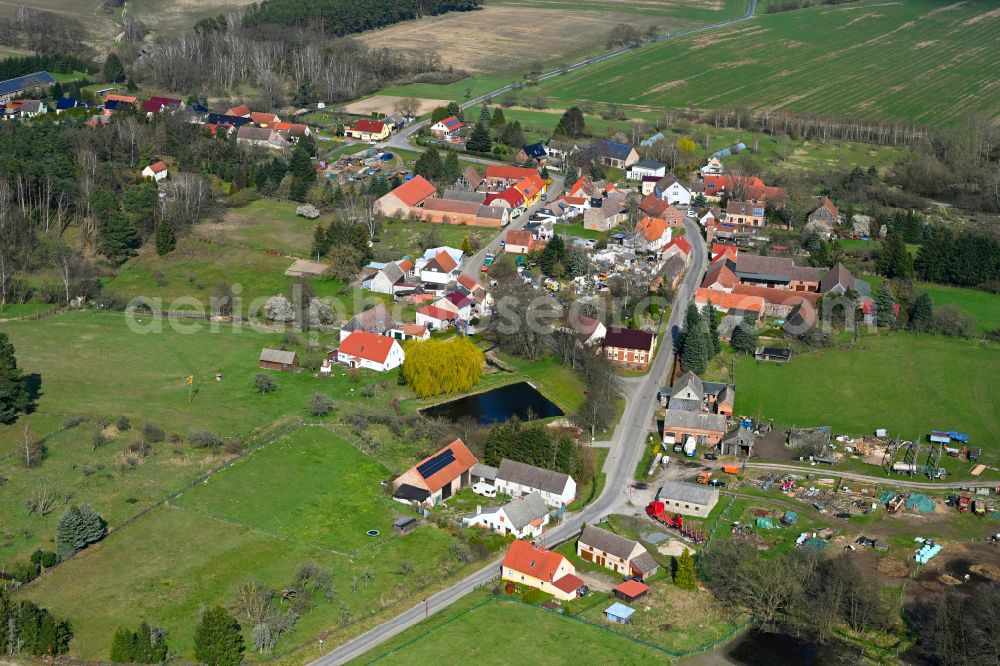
{"x":690,"y":499}
{"x":484,"y":472}
{"x":616,"y":552}
{"x":512,"y":472}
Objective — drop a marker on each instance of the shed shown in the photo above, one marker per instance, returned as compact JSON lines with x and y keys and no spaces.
{"x":404,"y":524}
{"x":790,"y":518}
{"x":620,"y":613}
{"x":631,"y":590}
{"x":775,"y":354}
{"x":279,"y":359}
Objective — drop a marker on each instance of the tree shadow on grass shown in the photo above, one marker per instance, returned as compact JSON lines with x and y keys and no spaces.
{"x":33,"y":387}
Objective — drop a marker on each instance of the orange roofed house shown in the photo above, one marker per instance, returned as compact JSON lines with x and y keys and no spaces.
{"x":542,"y":569}
{"x":406,"y":198}
{"x":362,"y":349}
{"x":435,"y":478}
{"x":651,"y":234}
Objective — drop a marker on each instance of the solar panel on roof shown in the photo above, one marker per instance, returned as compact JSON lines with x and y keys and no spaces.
{"x":24,"y":82}
{"x":436,"y":464}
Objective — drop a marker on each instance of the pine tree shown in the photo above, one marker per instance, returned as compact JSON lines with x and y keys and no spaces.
{"x":485,"y":116}
{"x":165,"y":239}
{"x":893,"y":259}
{"x":885,"y":308}
{"x":429,"y":165}
{"x":467,"y":247}
{"x":78,"y":527}
{"x":117,"y":235}
{"x":921,"y":312}
{"x":572,"y":175}
{"x":217,"y":639}
{"x":694,"y":351}
{"x":451,"y":171}
{"x":14,"y":398}
{"x":576,"y":261}
{"x":566,"y":456}
{"x":685,"y":577}
{"x":113,"y":69}
{"x":479,"y":141}
{"x":744,"y":338}
{"x":714,"y":345}
{"x":303,"y":173}
{"x":572,"y":124}
{"x":498,"y":119}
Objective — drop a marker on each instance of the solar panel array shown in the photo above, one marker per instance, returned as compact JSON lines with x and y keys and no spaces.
{"x":13,"y":86}
{"x":436,"y":464}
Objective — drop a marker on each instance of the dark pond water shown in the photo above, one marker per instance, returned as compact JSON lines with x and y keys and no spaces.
{"x":501,"y":404}
{"x":757,"y":648}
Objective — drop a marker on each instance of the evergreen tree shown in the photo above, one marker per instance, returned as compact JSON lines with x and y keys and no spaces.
{"x":699,"y":200}
{"x":321,"y":244}
{"x":694,"y":351}
{"x":513,"y":135}
{"x":714,"y":344}
{"x":921,"y":312}
{"x":572,"y":124}
{"x":576,"y":261}
{"x":303,"y":173}
{"x":466,"y":246}
{"x":479,"y":141}
{"x":150,"y":648}
{"x":379,"y":186}
{"x":685,"y":576}
{"x":893,"y":259}
{"x":165,"y":239}
{"x":14,"y":398}
{"x":454,"y":109}
{"x":566,"y":456}
{"x":744,"y":338}
{"x":485,"y":116}
{"x":572,"y":175}
{"x":117,"y":235}
{"x":123,"y":646}
{"x":78,"y":527}
{"x":546,"y":176}
{"x":885,"y":310}
{"x":553,"y":257}
{"x":451,"y":171}
{"x":429,"y":165}
{"x":498,"y":119}
{"x":113,"y":70}
{"x":218,"y":640}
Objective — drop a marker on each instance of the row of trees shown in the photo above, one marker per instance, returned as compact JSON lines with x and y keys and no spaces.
{"x":699,"y":341}
{"x":965,"y":259}
{"x":145,"y":645}
{"x":541,"y":446}
{"x":343,"y":17}
{"x":25,"y":628}
{"x":14,"y":397}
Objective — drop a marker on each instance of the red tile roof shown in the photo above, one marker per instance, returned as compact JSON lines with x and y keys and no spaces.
{"x":725,"y":301}
{"x":413,"y":191}
{"x":653,"y":205}
{"x":458,"y":299}
{"x":533,"y":561}
{"x":157,"y":167}
{"x":632,"y":588}
{"x":120,"y":98}
{"x":511,"y":195}
{"x":414,"y":329}
{"x":462,"y":463}
{"x":680,"y":243}
{"x":241,"y":110}
{"x":405,"y":265}
{"x":509,"y":172}
{"x":434,"y":312}
{"x":519,"y":237}
{"x":722,"y":276}
{"x":369,"y":346}
{"x":530,"y":185}
{"x":445,"y":261}
{"x":651,"y":228}
{"x":263,"y":118}
{"x":468,"y":282}
{"x":369,"y":125}
{"x":569,"y":583}
{"x":777,"y":296}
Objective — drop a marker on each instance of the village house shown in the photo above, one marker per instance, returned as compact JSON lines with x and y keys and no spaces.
{"x":241,"y":111}
{"x":778,"y":302}
{"x":743,"y":188}
{"x":727,"y":303}
{"x":780,"y":272}
{"x":680,"y":424}
{"x":605,"y":214}
{"x":629,"y":348}
{"x":825,"y":214}
{"x":712,"y":168}
{"x":589,"y":331}
{"x":292,"y":130}
{"x":278,"y":359}
{"x":519,"y":241}
{"x":261,"y":119}
{"x":670,"y":273}
{"x":545,"y":570}
{"x":156,"y":171}
{"x":366,"y":129}
{"x":678,"y":246}
{"x":838,"y":280}
{"x":457,"y":303}
{"x":654,"y":206}
{"x":712,"y":216}
{"x":646,"y":168}
{"x":531,"y":187}
{"x":517,"y":479}
{"x":523,"y":518}
{"x":435,"y":478}
{"x":560,"y":150}
{"x":447,"y":127}
{"x":406,"y":198}
{"x":651,"y":234}
{"x":451,"y":211}
{"x":390,"y":279}
{"x":534,"y":153}
{"x":500,"y":177}
{"x":439,"y":269}
{"x":262,"y":138}
{"x":371,"y":351}
{"x":471,"y":179}
{"x":745,"y":214}
{"x":672,"y":191}
{"x":611,"y":154}
{"x":435,"y":318}
{"x":374,"y":320}
{"x":409,"y":332}
{"x":690,"y":394}
{"x":612,"y":551}
{"x":689,"y":499}
{"x":510,"y":199}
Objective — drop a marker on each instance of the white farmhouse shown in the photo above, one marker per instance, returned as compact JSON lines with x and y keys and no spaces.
{"x":517,"y":479}
{"x":524,"y":518}
{"x":362,"y":349}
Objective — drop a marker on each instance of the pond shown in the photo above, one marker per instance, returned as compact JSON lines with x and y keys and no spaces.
{"x":760,"y":648}
{"x":498,"y":405}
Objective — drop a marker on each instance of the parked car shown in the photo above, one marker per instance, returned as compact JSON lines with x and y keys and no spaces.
{"x":717,"y":484}
{"x":711,"y":456}
{"x":692,"y":212}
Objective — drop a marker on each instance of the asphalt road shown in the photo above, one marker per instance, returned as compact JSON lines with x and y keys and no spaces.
{"x":897,"y":480}
{"x":626,"y":449}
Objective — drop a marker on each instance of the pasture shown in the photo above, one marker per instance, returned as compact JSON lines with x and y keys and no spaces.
{"x":541,"y":637}
{"x":308,"y":497}
{"x":909,"y":384}
{"x":982,"y":306}
{"x":922,"y":61}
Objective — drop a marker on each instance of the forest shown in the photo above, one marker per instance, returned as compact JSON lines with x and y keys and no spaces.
{"x":344,"y":17}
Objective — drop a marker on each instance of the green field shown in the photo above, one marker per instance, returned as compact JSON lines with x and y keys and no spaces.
{"x":908,"y":384}
{"x":308,"y":497}
{"x":657,"y":10}
{"x":492,"y":628}
{"x":982,"y":306}
{"x":865,"y":59}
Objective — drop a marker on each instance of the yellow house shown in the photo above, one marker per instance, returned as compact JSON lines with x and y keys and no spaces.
{"x":545,"y":570}
{"x":531,"y":187}
{"x":369,"y":130}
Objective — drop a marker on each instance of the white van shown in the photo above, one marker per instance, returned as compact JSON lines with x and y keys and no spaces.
{"x":484,"y":489}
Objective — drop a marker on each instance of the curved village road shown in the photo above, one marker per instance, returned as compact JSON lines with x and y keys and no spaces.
{"x":625,"y":451}
{"x":402,"y":140}
{"x":884,"y":480}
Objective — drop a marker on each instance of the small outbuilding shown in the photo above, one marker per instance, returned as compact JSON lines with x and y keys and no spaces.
{"x":279,"y":359}
{"x":404,"y":525}
{"x":631,"y":591}
{"x":773,"y":354}
{"x":620,"y":613}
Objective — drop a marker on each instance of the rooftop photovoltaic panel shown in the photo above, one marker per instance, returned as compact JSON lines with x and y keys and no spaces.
{"x":26,"y":82}
{"x":436,"y":464}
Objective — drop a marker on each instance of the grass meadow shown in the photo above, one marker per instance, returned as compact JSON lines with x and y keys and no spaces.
{"x":982,"y":306}
{"x":307,"y":497}
{"x":909,"y":384}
